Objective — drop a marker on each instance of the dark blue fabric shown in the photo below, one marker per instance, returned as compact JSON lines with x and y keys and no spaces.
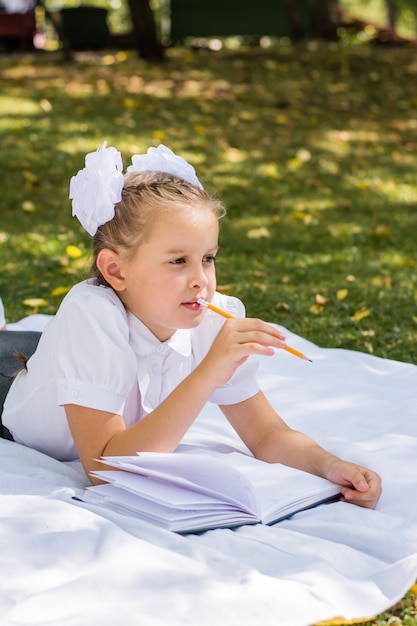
{"x":12,"y":343}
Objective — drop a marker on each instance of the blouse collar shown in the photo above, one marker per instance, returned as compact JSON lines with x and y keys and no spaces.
{"x":144,"y":342}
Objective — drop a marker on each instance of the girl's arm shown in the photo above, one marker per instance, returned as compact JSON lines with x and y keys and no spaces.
{"x":98,"y":433}
{"x":270,"y":439}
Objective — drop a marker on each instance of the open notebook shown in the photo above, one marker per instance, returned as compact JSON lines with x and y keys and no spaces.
{"x":192,"y":492}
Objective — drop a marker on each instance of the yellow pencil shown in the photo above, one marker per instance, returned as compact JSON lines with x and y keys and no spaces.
{"x":216,"y":309}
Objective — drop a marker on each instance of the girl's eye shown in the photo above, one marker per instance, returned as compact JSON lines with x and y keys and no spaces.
{"x":210,"y":258}
{"x":178,"y":261}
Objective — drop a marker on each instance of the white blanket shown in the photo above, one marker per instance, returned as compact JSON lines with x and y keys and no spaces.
{"x":64,"y":562}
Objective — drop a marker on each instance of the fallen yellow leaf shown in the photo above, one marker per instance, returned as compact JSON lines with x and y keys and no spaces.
{"x":382,"y":281}
{"x":30,"y":178}
{"x":316,"y":308}
{"x":383,"y":231}
{"x":303,"y":155}
{"x":199,"y":129}
{"x":258,"y":233}
{"x":60,"y":291}
{"x":281,"y":119}
{"x":360,"y":315}
{"x":108,"y":59}
{"x":339,"y":621}
{"x":35,"y":302}
{"x":362,"y":184}
{"x":321,"y":299}
{"x":131,"y":103}
{"x":368,"y":333}
{"x":299,"y":215}
{"x":73,"y":251}
{"x":234,"y":155}
{"x":247,"y":116}
{"x":226,"y":289}
{"x":269,"y":170}
{"x":45,"y":105}
{"x":341,"y":294}
{"x":121,"y":55}
{"x":28,"y":206}
{"x":294,"y":164}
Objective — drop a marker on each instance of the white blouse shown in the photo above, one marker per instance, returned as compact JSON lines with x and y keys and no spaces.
{"x":95,"y":354}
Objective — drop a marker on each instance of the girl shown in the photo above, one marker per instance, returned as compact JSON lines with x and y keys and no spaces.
{"x":132,"y":357}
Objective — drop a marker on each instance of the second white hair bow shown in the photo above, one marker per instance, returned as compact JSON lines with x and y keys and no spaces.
{"x":162,"y":159}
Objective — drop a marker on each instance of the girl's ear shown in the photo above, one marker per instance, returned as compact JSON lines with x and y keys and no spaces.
{"x":110,"y":266}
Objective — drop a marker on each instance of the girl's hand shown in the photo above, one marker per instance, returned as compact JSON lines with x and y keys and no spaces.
{"x":360,"y":485}
{"x":235,"y":342}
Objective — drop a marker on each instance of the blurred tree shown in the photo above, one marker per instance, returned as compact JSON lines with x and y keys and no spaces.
{"x":295,"y":20}
{"x":142,"y":21}
{"x":147,"y":41}
{"x":325,"y":18}
{"x":396,"y":8}
{"x":391,"y":13}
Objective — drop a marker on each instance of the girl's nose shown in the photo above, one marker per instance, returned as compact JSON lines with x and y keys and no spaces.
{"x":199,"y":279}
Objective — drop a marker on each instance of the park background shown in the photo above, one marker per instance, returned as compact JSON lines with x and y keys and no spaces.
{"x":311,"y":143}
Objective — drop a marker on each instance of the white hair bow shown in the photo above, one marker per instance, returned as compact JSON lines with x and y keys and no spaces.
{"x":97,"y":188}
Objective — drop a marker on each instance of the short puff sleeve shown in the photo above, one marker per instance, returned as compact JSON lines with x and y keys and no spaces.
{"x":95,"y":365}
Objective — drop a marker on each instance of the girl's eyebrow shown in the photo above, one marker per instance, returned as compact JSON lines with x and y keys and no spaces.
{"x":181,"y":251}
{"x":175,"y":251}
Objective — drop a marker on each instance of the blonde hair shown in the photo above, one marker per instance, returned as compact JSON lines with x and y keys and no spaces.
{"x":145,"y":196}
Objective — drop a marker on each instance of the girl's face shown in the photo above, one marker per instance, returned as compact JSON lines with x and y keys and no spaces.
{"x":172,"y":268}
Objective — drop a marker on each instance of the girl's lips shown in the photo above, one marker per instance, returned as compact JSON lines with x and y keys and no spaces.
{"x":193,"y":306}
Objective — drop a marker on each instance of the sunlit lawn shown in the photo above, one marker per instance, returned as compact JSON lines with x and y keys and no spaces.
{"x":313,"y":149}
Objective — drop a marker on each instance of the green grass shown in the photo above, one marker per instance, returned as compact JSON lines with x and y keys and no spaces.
{"x":313,"y":148}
